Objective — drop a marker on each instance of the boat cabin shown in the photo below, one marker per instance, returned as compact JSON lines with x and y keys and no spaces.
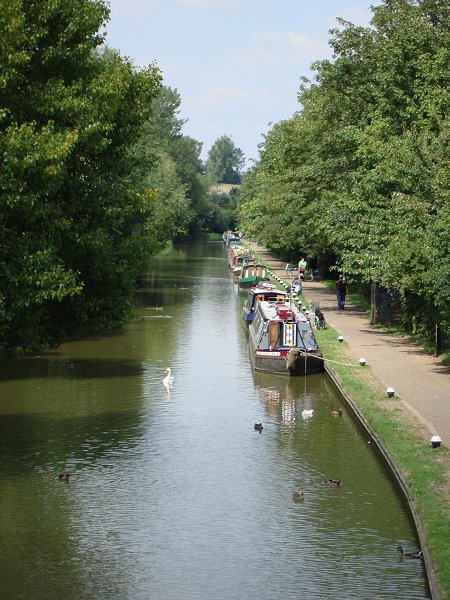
{"x":252,"y":274}
{"x":230,"y":236}
{"x":267,"y":292}
{"x":234,"y":252}
{"x":282,"y":327}
{"x":240,"y":260}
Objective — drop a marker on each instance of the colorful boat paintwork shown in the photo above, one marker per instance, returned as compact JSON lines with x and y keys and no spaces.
{"x":238,"y":255}
{"x":241,"y":261}
{"x":281,"y":340}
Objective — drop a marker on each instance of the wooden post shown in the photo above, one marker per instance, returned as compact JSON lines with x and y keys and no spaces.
{"x":437,"y":341}
{"x":373,"y":304}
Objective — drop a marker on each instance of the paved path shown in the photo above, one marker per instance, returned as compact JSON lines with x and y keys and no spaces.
{"x":419,"y":380}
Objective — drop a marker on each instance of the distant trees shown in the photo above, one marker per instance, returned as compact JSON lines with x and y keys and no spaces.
{"x":225,"y":161}
{"x":223,"y":214}
{"x":171,"y":166}
{"x":360,"y":173}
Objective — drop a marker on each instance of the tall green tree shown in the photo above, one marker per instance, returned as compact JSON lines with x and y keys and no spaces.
{"x":162,"y":142}
{"x":225,"y":161}
{"x":68,"y":117}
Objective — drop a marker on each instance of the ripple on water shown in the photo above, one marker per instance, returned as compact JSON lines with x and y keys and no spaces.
{"x":173,"y":494}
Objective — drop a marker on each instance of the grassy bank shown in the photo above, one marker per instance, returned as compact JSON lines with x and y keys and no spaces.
{"x":424,"y":470}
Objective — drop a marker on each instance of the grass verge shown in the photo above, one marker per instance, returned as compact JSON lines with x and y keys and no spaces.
{"x":424,"y":470}
{"x":213,"y":237}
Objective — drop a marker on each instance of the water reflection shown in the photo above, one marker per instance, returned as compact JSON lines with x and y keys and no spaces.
{"x":173,"y":494}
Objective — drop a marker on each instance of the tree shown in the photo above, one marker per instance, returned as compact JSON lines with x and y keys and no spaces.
{"x":162,"y":142}
{"x":73,"y":228}
{"x":225,"y":161}
{"x":359,"y":173}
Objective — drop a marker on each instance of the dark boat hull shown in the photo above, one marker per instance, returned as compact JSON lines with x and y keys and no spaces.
{"x":277,"y":361}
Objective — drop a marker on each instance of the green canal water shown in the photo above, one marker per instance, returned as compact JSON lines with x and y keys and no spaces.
{"x":173,"y":494}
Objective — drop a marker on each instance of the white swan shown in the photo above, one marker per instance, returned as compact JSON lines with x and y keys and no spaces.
{"x":307,"y":413}
{"x":168,"y":379}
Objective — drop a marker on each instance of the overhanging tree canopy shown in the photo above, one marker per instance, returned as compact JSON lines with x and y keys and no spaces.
{"x":361,"y":172}
{"x":70,"y":239}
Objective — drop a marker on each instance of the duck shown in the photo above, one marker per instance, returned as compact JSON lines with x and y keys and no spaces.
{"x":298,"y":496}
{"x":335,"y":482}
{"x":168,"y":378}
{"x":336,"y":413}
{"x":307,"y":413}
{"x":63,"y":477}
{"x":259,"y":427}
{"x":415,"y":554}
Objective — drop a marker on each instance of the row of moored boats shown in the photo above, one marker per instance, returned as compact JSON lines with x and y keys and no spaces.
{"x":280,"y":330}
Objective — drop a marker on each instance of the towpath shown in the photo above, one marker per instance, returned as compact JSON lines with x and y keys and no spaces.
{"x":420,"y":381}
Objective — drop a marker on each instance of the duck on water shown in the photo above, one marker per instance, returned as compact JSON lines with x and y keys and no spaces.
{"x":414,"y":554}
{"x":332,"y":482}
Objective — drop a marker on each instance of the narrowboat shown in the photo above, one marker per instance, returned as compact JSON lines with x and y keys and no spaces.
{"x":230,"y":236}
{"x":251,"y":275}
{"x":241,"y":261}
{"x":265,"y":291}
{"x":281,"y":340}
{"x":235,"y":253}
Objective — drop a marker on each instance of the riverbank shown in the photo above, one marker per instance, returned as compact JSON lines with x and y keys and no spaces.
{"x":401,"y":425}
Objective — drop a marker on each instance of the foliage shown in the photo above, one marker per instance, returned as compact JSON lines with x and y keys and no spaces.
{"x":225,"y":161}
{"x":74,"y":227}
{"x":96,"y":175}
{"x":162,"y":141}
{"x":222,"y":217}
{"x":360,"y":173}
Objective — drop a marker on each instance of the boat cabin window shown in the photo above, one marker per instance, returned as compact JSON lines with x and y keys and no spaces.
{"x":253,"y":300}
{"x":258,"y":325}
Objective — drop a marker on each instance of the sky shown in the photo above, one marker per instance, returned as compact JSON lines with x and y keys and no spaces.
{"x":236,"y":64}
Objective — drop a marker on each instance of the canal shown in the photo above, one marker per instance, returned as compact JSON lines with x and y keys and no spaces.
{"x":172,"y":493}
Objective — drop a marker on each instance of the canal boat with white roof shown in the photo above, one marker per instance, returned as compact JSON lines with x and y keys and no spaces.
{"x":281,"y":340}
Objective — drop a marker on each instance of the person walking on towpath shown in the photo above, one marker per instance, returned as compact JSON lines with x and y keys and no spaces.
{"x":341,"y":291}
{"x":301,"y":268}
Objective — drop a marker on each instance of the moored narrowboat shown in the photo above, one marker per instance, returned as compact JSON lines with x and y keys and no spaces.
{"x":237,"y":253}
{"x":241,"y":261}
{"x":230,"y":236}
{"x":251,"y":275}
{"x":235,"y":249}
{"x":281,"y":340}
